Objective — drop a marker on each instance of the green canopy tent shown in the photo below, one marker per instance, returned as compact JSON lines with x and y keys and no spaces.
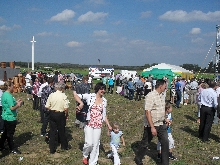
{"x":160,"y":73}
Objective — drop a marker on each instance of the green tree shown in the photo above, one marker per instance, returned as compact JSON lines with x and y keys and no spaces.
{"x":191,"y":67}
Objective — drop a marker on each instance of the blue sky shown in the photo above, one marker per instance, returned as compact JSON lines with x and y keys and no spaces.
{"x":118,"y":32}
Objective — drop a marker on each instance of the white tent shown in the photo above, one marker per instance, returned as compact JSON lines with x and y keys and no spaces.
{"x":174,"y":68}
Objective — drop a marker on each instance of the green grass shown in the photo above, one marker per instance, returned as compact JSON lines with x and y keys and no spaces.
{"x":189,"y":149}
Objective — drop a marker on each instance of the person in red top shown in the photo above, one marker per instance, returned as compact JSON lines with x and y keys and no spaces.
{"x":39,"y":74}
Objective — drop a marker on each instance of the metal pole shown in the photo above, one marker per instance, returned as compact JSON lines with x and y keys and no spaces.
{"x":33,"y":53}
{"x":217,"y":50}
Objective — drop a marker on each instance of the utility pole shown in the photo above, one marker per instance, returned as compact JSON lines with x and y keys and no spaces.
{"x":217,"y":50}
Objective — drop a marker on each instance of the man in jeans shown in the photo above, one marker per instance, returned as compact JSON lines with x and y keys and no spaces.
{"x":154,"y":123}
{"x":178,"y":93}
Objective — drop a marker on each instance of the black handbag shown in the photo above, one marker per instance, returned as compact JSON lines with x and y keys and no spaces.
{"x":81,"y":115}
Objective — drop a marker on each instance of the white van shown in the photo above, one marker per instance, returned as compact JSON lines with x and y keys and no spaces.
{"x":128,"y":73}
{"x":98,"y":73}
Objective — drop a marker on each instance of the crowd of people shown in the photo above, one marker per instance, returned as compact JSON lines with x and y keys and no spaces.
{"x":48,"y":96}
{"x":134,"y":87}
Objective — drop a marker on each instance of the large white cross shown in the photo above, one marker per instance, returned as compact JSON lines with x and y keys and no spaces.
{"x":33,"y":53}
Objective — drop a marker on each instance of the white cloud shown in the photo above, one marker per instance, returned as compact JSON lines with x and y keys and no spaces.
{"x":1,"y":19}
{"x":183,"y":16}
{"x":92,"y":17}
{"x":97,"y":1}
{"x":100,"y":33}
{"x":103,"y":40}
{"x":146,"y":14}
{"x":16,"y":26}
{"x":197,"y":40}
{"x":138,"y":42}
{"x":65,"y":15}
{"x":45,"y":34}
{"x":117,"y":23}
{"x":73,"y":44}
{"x":34,"y":9}
{"x":195,"y":31}
{"x":5,"y":28}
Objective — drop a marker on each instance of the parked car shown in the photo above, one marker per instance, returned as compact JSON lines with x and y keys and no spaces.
{"x":79,"y":76}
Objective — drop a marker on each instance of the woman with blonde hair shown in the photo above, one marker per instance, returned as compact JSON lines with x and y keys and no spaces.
{"x":9,"y":114}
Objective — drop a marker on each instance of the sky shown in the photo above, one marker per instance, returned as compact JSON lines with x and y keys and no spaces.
{"x":116,"y":32}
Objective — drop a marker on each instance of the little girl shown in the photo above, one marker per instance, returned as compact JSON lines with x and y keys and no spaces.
{"x":168,"y":110}
{"x":116,"y":135}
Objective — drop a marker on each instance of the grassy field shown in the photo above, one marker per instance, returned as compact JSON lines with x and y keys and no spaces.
{"x":205,"y":75}
{"x":189,"y":148}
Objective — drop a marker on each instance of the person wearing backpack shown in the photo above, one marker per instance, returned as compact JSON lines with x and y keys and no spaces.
{"x":82,"y":88}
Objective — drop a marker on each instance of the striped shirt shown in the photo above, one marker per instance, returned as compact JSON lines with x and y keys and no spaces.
{"x":155,"y":103}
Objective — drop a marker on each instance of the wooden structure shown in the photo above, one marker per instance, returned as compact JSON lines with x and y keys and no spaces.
{"x":19,"y":83}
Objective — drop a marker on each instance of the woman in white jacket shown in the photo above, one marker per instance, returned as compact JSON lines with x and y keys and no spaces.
{"x":95,"y":117}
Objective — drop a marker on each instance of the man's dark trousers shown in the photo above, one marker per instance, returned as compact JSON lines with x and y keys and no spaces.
{"x":8,"y":134}
{"x":46,"y":119}
{"x":57,"y":123}
{"x":138,"y":93}
{"x":147,"y":137}
{"x":206,"y":119}
{"x":179,"y":96}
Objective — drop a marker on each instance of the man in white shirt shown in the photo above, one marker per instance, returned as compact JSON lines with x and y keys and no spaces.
{"x":90,"y":82}
{"x":136,"y":78}
{"x":28,"y":85}
{"x":208,"y":99}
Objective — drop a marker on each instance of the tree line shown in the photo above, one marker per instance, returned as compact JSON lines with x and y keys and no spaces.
{"x":40,"y":66}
